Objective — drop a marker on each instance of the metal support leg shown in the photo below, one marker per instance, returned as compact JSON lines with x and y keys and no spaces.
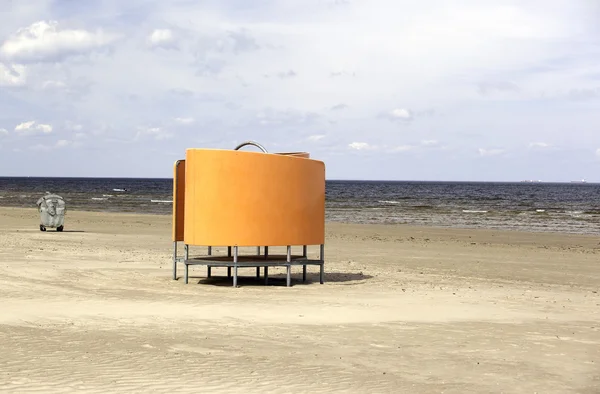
{"x":229,"y":272}
{"x":266,"y":252}
{"x":235,"y":267}
{"x":175,"y":260}
{"x":258,"y":272}
{"x":186,"y":256}
{"x":258,"y":250}
{"x":266,"y":275}
{"x":305,"y":255}
{"x":208,"y":273}
{"x":229,"y":251}
{"x":289,"y":266}
{"x":322,"y":258}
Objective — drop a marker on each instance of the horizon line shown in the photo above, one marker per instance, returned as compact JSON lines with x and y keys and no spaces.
{"x":331,"y":179}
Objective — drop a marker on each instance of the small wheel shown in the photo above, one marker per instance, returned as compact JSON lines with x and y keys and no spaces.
{"x":59,"y":228}
{"x":42,"y":227}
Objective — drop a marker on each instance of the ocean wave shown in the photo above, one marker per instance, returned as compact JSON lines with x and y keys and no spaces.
{"x":119,"y":190}
{"x":107,"y":195}
{"x":162,"y":201}
{"x":389,"y":202}
{"x":99,"y":198}
{"x":474,"y":211}
{"x":575,"y":214}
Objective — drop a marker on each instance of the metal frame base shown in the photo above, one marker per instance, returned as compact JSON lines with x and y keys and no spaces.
{"x":253,"y":261}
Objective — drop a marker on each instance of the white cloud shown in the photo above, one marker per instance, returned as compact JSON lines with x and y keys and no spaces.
{"x":45,"y":41}
{"x":539,"y":145}
{"x":60,"y":144}
{"x":338,"y":107}
{"x":316,"y":137}
{"x":272,"y":116}
{"x":401,"y":148}
{"x":72,"y":126}
{"x":287,"y":74}
{"x":161,"y":38}
{"x":490,"y":152}
{"x":185,"y":121}
{"x":33,"y":127}
{"x":490,"y":87}
{"x":401,"y":114}
{"x":429,"y":142}
{"x":3,"y":132}
{"x":12,"y":75}
{"x":157,"y":133}
{"x":360,"y":146}
{"x":54,"y":85}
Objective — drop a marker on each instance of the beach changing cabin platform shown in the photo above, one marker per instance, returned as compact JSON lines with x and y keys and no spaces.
{"x":236,"y":200}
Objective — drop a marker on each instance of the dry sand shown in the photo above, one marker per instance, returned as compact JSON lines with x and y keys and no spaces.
{"x":403,"y":309}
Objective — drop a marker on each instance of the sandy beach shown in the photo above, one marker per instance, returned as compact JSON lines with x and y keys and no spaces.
{"x":403,"y":309}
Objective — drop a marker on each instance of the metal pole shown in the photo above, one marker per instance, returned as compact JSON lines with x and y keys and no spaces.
{"x":208,"y":267}
{"x":266,"y":267}
{"x":305,"y":255}
{"x":258,"y":268}
{"x":322,"y":258}
{"x":229,"y":268}
{"x":289,"y":266}
{"x":175,"y":260}
{"x":208,"y":274}
{"x":186,"y":249}
{"x":235,"y":261}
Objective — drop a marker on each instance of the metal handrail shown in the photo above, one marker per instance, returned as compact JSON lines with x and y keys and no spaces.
{"x":259,"y":146}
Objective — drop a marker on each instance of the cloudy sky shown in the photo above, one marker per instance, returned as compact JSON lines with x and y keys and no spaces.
{"x":378,"y":89}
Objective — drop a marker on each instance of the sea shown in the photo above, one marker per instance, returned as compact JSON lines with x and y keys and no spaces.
{"x":526,"y":206}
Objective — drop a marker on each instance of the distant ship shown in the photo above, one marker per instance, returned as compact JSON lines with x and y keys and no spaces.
{"x":580,"y":181}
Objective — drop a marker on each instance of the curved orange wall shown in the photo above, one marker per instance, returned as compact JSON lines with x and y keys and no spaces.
{"x":253,"y":199}
{"x":178,"y":199}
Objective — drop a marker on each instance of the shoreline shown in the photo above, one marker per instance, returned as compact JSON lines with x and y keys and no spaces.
{"x":589,"y":239}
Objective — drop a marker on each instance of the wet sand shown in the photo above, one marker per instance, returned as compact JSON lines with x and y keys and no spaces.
{"x":403,"y":309}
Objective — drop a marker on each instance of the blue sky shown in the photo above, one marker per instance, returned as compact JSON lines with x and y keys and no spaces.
{"x":378,"y":89}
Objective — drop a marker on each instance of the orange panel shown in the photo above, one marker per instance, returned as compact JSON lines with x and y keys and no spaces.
{"x":178,"y":199}
{"x":253,"y":199}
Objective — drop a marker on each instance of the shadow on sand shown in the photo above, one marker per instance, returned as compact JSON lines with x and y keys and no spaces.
{"x":312,"y":278}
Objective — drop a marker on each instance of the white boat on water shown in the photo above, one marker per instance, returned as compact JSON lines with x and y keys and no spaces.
{"x":580,"y":181}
